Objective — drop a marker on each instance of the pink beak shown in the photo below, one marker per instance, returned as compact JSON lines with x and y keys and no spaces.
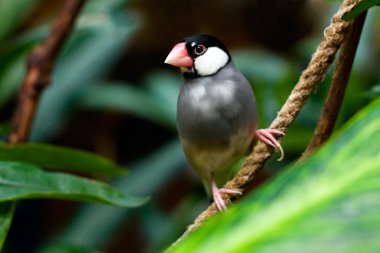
{"x":179,"y":57}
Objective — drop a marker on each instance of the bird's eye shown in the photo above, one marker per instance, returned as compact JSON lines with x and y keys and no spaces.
{"x":199,"y":50}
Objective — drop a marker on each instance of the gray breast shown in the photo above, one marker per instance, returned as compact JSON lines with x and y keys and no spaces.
{"x":212,"y":109}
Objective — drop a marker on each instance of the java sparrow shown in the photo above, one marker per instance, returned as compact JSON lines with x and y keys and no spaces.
{"x":216,"y":112}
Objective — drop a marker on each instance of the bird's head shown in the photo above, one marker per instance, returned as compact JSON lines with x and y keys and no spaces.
{"x":199,"y":55}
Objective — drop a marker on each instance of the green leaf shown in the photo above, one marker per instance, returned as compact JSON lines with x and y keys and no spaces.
{"x":25,"y":181}
{"x":362,"y":6}
{"x":60,"y":158}
{"x":147,"y":177}
{"x":328,"y":203}
{"x":6,"y":216}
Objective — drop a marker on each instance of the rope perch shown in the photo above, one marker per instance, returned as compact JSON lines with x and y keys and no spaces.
{"x":334,"y":36}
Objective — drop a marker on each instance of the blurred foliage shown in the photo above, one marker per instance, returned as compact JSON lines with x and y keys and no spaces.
{"x":86,"y":81}
{"x":92,"y":49}
{"x":25,"y":181}
{"x":128,"y":99}
{"x":13,"y":55}
{"x":21,"y":180}
{"x":147,"y":178}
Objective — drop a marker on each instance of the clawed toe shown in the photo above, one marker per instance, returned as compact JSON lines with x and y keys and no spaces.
{"x":217,"y":195}
{"x":266,"y":136}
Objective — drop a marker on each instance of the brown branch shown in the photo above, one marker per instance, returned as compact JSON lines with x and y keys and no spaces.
{"x":338,"y":86}
{"x":334,"y":35}
{"x":40,"y":64}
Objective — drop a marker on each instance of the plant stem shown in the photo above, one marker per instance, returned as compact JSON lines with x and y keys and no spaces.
{"x":40,"y":64}
{"x":338,"y":86}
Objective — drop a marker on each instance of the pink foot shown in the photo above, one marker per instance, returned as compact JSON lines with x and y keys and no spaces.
{"x":217,"y":195}
{"x":266,"y":136}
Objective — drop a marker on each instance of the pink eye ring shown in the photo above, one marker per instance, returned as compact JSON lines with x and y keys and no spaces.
{"x":199,"y":49}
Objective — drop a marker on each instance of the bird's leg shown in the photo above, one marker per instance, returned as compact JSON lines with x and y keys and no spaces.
{"x":266,"y":136}
{"x":217,"y":195}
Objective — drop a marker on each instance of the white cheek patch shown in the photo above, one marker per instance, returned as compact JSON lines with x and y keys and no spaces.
{"x":211,"y":61}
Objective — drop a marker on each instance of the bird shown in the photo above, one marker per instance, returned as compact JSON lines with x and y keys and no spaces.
{"x":217,"y":115}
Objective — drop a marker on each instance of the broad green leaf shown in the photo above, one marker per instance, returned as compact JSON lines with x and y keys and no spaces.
{"x":328,"y":203}
{"x":25,"y":181}
{"x":361,"y":7}
{"x":146,"y":177}
{"x":12,"y":13}
{"x":60,"y":158}
{"x":6,"y":216}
